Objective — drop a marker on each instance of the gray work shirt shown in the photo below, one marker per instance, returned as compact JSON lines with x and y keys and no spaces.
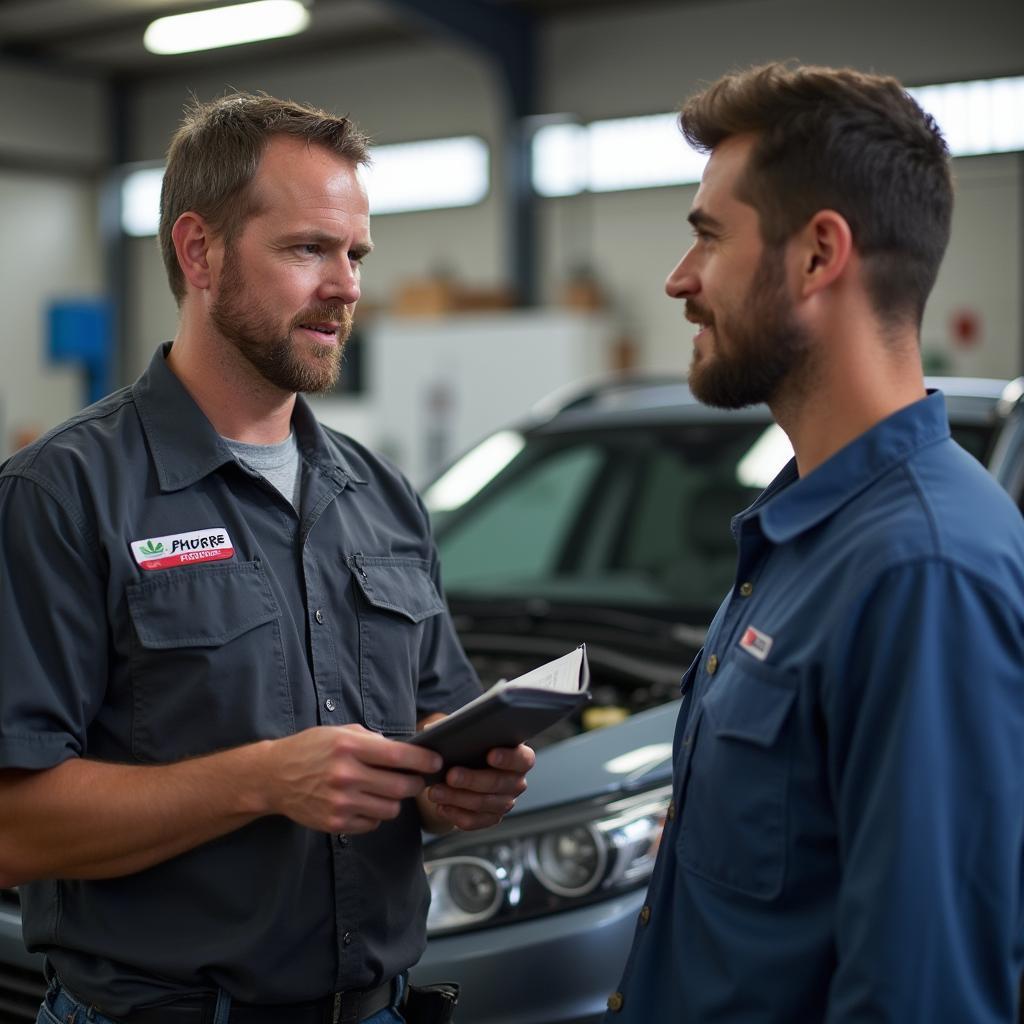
{"x":159,"y":601}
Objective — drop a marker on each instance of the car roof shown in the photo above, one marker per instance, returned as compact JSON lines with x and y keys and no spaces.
{"x":641,"y":400}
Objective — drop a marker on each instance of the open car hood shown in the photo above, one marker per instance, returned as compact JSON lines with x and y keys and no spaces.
{"x":632,"y":755}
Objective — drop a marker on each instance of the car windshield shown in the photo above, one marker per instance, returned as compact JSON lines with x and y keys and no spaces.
{"x":632,"y":517}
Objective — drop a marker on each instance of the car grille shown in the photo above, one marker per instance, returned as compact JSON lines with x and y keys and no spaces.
{"x":21,"y":992}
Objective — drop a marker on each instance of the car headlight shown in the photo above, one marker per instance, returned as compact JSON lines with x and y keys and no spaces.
{"x":544,"y":863}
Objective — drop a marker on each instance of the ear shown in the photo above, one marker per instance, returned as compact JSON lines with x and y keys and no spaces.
{"x":825,"y":247}
{"x":192,"y":242}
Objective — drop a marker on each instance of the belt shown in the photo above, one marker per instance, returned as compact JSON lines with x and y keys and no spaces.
{"x":343,"y":1008}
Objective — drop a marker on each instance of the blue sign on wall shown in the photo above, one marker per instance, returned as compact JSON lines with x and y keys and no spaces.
{"x":81,"y":332}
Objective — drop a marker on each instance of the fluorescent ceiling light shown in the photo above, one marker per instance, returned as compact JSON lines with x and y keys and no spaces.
{"x":613,"y":155}
{"x":561,"y":159}
{"x":140,"y":201}
{"x":641,"y":152}
{"x":765,"y":458}
{"x":473,"y":471}
{"x":977,"y":117}
{"x":985,"y":116}
{"x":226,"y":26}
{"x":432,"y":175}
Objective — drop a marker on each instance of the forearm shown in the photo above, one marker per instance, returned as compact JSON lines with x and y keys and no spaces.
{"x":91,"y":819}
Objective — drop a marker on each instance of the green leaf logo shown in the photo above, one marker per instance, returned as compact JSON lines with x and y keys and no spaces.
{"x":149,"y":548}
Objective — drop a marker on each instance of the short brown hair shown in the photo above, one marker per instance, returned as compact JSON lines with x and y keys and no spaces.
{"x":214,"y":156}
{"x":847,"y":141}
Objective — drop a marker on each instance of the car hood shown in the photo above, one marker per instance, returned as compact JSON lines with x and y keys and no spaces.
{"x":634,"y":754}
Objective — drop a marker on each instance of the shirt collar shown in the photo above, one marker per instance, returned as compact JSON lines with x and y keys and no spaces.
{"x":183,"y":443}
{"x":791,"y":505}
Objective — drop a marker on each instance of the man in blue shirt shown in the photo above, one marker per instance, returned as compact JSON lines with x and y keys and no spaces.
{"x":846,"y":838}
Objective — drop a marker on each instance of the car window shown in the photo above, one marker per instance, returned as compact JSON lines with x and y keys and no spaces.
{"x":977,"y":439}
{"x":635,"y":517}
{"x":519,"y":536}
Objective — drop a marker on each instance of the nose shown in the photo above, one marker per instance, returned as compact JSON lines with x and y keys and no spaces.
{"x":683,"y":281}
{"x":340,"y":282}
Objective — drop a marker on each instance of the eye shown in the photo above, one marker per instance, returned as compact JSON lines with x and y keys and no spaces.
{"x":309,"y":248}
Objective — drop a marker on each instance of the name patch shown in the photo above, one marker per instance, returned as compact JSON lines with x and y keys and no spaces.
{"x":183,"y":548}
{"x":756,"y":643}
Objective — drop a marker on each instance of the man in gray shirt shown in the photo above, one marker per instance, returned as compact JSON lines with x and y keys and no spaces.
{"x":207,"y":667}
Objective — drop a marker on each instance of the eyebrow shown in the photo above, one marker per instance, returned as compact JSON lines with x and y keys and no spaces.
{"x":699,"y":219}
{"x":360,"y":250}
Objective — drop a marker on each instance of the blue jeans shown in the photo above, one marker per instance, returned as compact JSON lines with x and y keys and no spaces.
{"x":61,"y":1007}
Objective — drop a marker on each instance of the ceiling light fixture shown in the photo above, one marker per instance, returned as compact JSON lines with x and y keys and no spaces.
{"x":226,"y":26}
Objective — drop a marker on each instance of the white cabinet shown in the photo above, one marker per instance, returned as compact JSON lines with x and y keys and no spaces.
{"x":436,"y":386}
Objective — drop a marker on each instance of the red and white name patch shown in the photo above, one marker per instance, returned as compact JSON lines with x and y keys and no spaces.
{"x":183,"y":548}
{"x":756,"y":643}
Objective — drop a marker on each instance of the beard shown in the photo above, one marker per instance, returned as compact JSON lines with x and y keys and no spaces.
{"x":769,"y":352}
{"x":267,"y":344}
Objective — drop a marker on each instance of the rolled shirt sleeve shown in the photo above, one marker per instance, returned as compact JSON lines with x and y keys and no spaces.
{"x":53,"y":637}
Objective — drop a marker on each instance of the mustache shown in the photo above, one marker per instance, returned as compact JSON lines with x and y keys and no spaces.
{"x":325,"y":314}
{"x":696,"y":311}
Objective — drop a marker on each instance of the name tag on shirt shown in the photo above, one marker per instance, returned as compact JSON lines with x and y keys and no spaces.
{"x":183,"y":548}
{"x":756,"y":643}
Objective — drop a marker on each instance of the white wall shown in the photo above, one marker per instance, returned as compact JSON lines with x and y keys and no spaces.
{"x":983,"y":272}
{"x":53,"y":135}
{"x":49,"y":251}
{"x":635,"y":238}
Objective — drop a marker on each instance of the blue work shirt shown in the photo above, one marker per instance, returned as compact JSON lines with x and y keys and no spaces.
{"x":160,"y":601}
{"x":846,"y":839}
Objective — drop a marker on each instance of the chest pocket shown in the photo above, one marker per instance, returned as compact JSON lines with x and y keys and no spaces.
{"x":207,"y":664}
{"x":397,"y":603}
{"x":733,"y":827}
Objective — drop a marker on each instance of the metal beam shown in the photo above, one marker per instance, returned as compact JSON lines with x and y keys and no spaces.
{"x":115,"y":261}
{"x":508,"y":38}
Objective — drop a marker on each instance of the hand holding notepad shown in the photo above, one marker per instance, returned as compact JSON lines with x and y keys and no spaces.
{"x":509,"y":713}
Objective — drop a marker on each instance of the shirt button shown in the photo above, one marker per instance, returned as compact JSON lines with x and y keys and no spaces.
{"x":319,"y":616}
{"x":342,"y":839}
{"x":645,"y":915}
{"x":712,"y":664}
{"x":746,"y":589}
{"x":346,"y":939}
{"x":329,"y":704}
{"x":615,"y":1002}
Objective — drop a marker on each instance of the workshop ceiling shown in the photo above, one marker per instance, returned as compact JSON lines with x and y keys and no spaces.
{"x":104,"y":37}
